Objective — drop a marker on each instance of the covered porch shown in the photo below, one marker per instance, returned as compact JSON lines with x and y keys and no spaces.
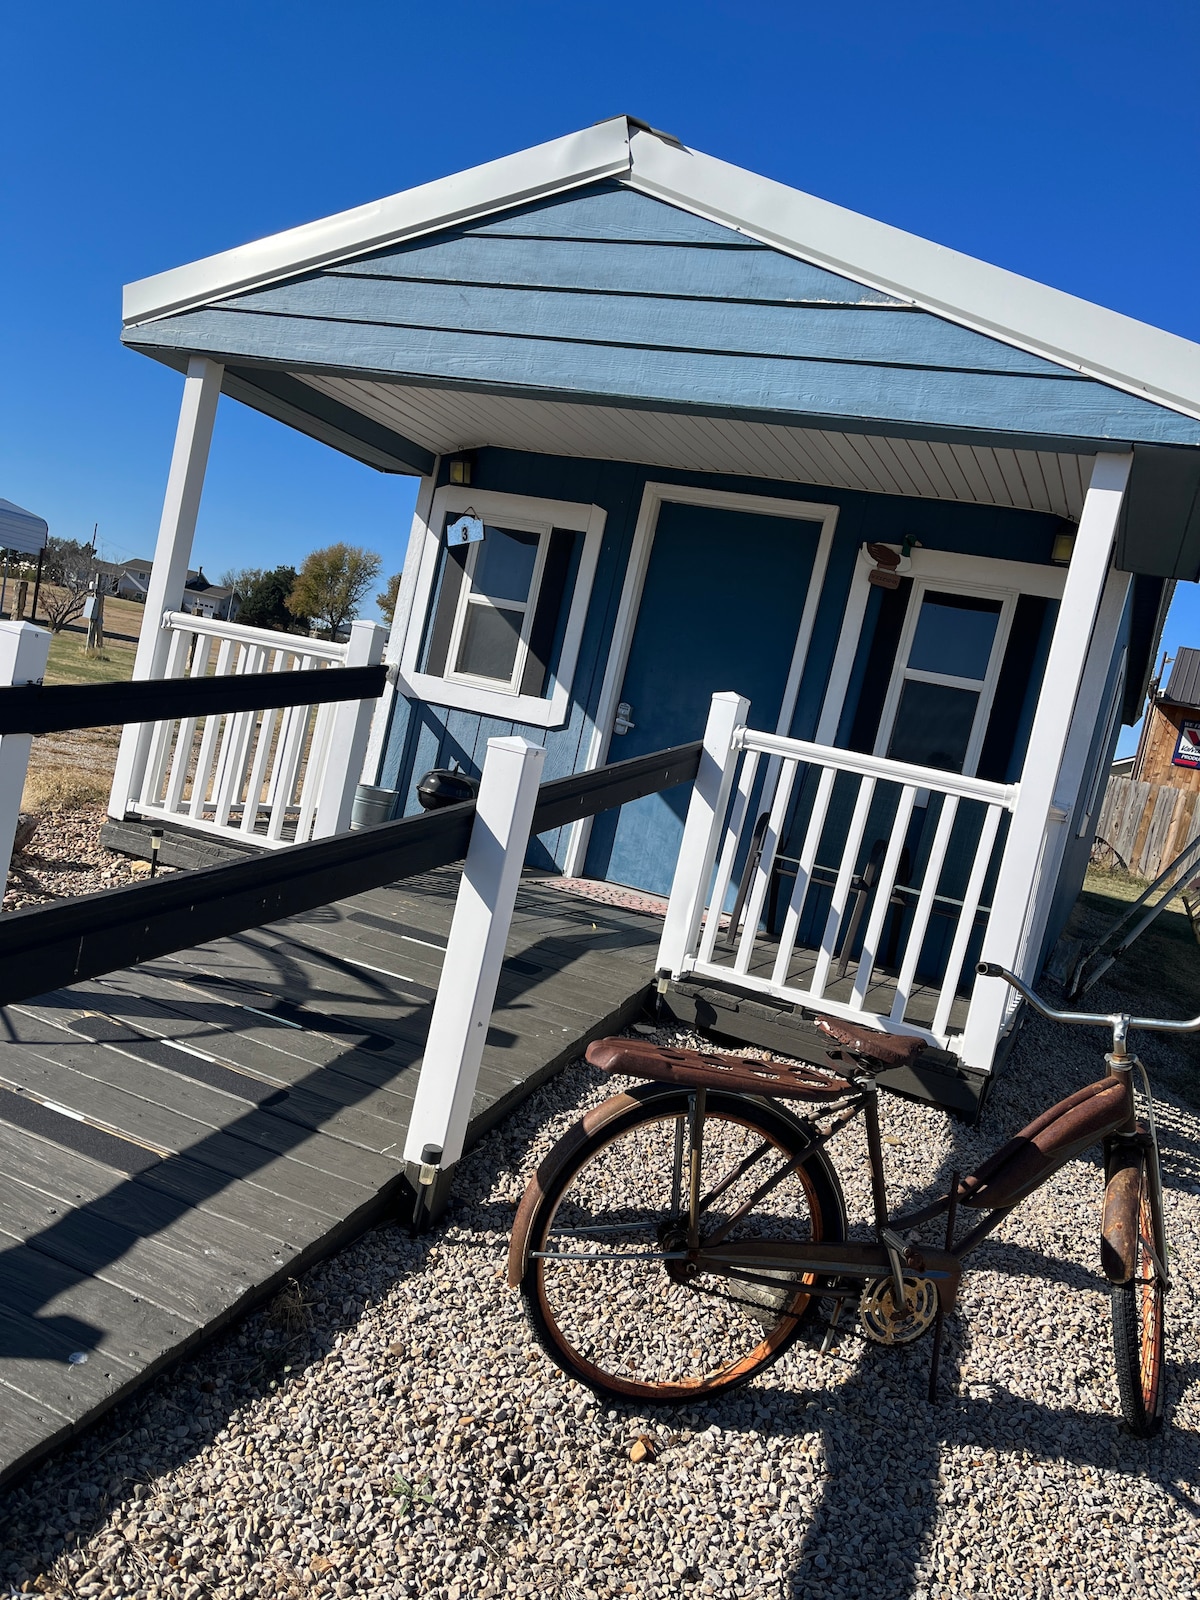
{"x":923,"y":515}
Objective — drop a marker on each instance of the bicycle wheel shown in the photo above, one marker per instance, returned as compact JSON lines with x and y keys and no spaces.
{"x":610,"y":1299}
{"x":1138,"y":1327}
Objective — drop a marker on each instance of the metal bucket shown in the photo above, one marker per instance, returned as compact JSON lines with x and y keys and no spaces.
{"x":371,"y":805}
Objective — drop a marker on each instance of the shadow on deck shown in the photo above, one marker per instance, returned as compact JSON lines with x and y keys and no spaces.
{"x":180,"y":1138}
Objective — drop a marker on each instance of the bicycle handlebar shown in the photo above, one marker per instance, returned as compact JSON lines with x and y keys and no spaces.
{"x":1092,"y":1019}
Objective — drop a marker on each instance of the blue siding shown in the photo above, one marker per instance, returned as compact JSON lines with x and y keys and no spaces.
{"x":423,"y":736}
{"x":606,"y":294}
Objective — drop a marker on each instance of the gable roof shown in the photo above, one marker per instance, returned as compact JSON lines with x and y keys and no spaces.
{"x":1133,"y":356}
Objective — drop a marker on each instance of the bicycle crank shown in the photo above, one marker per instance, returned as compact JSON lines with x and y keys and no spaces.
{"x":878,"y":1315}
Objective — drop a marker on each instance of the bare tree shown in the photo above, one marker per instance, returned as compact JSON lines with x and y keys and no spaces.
{"x":68,"y":571}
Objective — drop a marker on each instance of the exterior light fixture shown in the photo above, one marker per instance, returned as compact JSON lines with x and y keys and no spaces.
{"x":460,"y":470}
{"x":1063,"y":547}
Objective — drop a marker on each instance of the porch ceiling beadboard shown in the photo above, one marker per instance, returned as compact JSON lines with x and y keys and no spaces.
{"x":449,"y":420}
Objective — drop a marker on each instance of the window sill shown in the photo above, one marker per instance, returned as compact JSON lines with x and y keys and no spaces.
{"x":525,"y":708}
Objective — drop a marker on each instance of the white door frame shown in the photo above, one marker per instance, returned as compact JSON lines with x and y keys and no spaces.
{"x":654,"y":496}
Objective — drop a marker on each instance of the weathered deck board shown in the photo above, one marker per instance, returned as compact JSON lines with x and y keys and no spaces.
{"x":180,"y":1138}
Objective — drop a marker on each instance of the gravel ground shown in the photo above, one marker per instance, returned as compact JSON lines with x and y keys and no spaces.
{"x":65,"y":858}
{"x":388,"y":1428}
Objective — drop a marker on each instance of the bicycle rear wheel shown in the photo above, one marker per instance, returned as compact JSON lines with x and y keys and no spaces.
{"x":1138,"y":1326}
{"x":608,"y":1294}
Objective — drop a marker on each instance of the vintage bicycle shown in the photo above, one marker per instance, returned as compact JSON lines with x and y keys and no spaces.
{"x":675,"y":1240}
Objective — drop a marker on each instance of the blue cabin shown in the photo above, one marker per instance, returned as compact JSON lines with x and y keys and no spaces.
{"x":682,"y":430}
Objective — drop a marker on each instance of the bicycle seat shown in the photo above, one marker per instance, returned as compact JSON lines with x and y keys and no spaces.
{"x":868,"y":1046}
{"x":1066,"y":1130}
{"x":696,"y":1069}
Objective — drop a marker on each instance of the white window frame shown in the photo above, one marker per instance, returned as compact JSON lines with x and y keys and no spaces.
{"x":457,"y":691}
{"x":467,"y":596}
{"x":984,"y":687}
{"x":943,"y":569}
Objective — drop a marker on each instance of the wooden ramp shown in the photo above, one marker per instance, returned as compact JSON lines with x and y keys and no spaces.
{"x":180,"y":1138}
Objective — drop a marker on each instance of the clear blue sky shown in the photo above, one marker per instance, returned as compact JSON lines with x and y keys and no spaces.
{"x":1061,"y":140}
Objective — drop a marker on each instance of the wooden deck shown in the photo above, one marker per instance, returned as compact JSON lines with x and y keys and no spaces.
{"x":180,"y":1138}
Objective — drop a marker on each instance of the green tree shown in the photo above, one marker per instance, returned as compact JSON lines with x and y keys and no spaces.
{"x":331,"y":584}
{"x":387,"y":600}
{"x":263,"y":594}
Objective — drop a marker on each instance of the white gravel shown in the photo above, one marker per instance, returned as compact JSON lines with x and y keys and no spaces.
{"x":65,"y":858}
{"x":392,"y":1430}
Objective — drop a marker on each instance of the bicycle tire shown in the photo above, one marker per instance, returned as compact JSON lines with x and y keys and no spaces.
{"x":1138,"y":1318}
{"x":603,"y":1318}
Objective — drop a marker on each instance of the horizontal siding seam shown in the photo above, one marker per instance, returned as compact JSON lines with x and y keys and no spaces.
{"x":1064,"y":376}
{"x":626,"y":294}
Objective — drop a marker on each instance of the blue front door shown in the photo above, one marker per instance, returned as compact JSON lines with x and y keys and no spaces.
{"x":720,"y":609}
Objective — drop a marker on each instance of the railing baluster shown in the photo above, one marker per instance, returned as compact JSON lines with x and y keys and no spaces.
{"x":924,"y":909}
{"x":291,"y":749}
{"x":804,"y":869}
{"x":841,"y":889}
{"x":233,"y":753}
{"x":883,"y":896}
{"x":733,"y":834}
{"x":209,"y":740}
{"x":314,"y":769}
{"x":262,"y":754}
{"x":966,"y":919}
{"x":160,"y":739}
{"x":766,"y":865}
{"x":187,"y":732}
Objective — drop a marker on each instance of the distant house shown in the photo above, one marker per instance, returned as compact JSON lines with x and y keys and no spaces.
{"x":129,"y":580}
{"x":1169,"y":748}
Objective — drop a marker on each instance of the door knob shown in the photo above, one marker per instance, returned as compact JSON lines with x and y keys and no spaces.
{"x":621,"y":723}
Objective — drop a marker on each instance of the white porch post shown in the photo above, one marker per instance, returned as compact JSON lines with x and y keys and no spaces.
{"x":702,"y":831}
{"x":372,"y":769}
{"x":176,"y":529}
{"x":471,"y":969}
{"x":1068,"y":791}
{"x":1006,"y":940}
{"x":350,"y":725}
{"x":23,"y":653}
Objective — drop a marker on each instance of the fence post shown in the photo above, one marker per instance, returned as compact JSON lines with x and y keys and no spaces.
{"x":474,"y":952}
{"x":350,"y":727}
{"x":698,"y":848}
{"x":23,"y":653}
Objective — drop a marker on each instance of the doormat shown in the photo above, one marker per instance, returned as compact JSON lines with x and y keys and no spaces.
{"x":609,"y":894}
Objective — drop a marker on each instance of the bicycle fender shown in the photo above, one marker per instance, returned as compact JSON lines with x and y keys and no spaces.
{"x":549,"y":1169}
{"x":1119,"y":1230}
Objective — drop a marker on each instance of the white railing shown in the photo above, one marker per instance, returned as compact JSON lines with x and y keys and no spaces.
{"x":935,"y":837}
{"x":270,"y":777}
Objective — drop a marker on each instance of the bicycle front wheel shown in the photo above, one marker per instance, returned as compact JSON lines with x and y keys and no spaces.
{"x":1138,"y":1326}
{"x":607,"y":1287}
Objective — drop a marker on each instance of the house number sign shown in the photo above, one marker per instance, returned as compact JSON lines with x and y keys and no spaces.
{"x":467,"y":530}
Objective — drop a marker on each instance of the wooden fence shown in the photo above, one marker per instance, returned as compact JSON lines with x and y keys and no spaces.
{"x":1146,"y":825}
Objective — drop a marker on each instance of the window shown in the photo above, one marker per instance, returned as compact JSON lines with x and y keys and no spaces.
{"x":496,"y":623}
{"x":946,"y":667}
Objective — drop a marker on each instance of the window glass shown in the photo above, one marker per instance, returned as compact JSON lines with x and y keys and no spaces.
{"x":954,"y":635}
{"x":490,"y":638}
{"x":933,"y":725}
{"x":504,"y":564}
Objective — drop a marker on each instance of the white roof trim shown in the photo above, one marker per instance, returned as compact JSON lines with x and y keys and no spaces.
{"x":1134,"y":356}
{"x":1131,"y":355}
{"x":578,"y":158}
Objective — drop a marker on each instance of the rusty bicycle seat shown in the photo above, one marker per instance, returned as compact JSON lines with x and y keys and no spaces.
{"x":697,"y":1069}
{"x":869,"y":1047}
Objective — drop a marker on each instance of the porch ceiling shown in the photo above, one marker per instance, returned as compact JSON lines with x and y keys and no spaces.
{"x":445,"y":421}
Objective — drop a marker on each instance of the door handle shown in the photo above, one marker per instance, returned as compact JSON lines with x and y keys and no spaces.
{"x":621,"y":723}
